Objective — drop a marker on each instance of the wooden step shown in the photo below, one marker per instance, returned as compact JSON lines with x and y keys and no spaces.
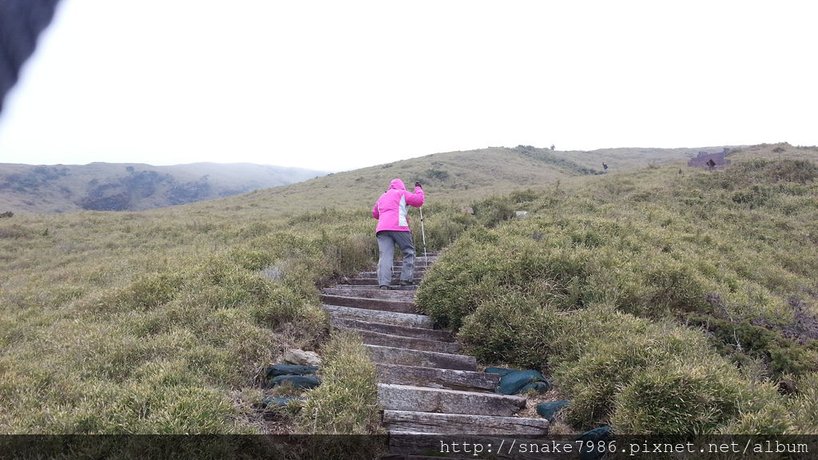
{"x":370,"y":284}
{"x":418,"y":259}
{"x":398,"y":341}
{"x":431,"y":377}
{"x":374,"y":282}
{"x":371,"y":292}
{"x":403,"y":356}
{"x":417,"y":271}
{"x":395,"y":276}
{"x":425,"y":422}
{"x":421,"y":333}
{"x":399,"y":306}
{"x":388,"y":317}
{"x":421,"y":399}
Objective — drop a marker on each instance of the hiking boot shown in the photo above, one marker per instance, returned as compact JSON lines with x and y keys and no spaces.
{"x":384,"y":287}
{"x":407,"y":283}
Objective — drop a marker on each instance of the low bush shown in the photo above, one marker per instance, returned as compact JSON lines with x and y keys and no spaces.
{"x":608,"y":350}
{"x":346,"y":402}
{"x":805,"y":404}
{"x":686,"y":397}
{"x":595,"y":292}
{"x":736,"y":339}
{"x":510,"y":327}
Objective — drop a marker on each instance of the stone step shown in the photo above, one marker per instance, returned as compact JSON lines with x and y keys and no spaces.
{"x":378,"y":316}
{"x":371,"y":292}
{"x":431,"y":377}
{"x":395,"y":275}
{"x":422,"y":268}
{"x":406,"y":357}
{"x":419,"y":259}
{"x":398,"y":341}
{"x":374,"y":282}
{"x":425,"y":422}
{"x":399,"y":306}
{"x":421,"y":399}
{"x":421,"y":333}
{"x":419,"y":256}
{"x":369,"y":284}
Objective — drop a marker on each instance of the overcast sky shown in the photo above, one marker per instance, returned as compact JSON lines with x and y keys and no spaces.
{"x":337,"y":85}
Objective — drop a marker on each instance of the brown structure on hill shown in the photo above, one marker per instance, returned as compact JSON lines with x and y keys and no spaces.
{"x":709,"y":160}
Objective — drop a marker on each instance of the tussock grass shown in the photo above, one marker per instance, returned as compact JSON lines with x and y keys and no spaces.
{"x":665,"y":300}
{"x":154,"y":322}
{"x":347,"y":400}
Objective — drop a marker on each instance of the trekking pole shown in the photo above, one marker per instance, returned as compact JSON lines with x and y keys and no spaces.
{"x":423,"y":234}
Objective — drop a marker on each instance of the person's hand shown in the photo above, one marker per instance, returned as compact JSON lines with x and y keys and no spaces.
{"x":417,"y":184}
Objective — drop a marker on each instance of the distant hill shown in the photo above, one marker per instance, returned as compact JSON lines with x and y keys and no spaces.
{"x":132,"y":187}
{"x":459,"y":176}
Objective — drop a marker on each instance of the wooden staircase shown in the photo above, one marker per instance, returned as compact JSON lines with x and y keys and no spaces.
{"x":425,"y":385}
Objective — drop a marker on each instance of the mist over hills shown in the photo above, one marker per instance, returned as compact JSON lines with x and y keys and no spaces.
{"x":132,"y":186}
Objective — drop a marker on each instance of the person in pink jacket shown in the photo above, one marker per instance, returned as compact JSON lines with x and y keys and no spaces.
{"x":393,"y":228}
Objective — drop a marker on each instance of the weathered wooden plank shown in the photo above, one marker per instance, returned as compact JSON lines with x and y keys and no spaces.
{"x":419,"y":260}
{"x":395,"y":276}
{"x":399,"y":306}
{"x":348,"y":285}
{"x":363,"y":314}
{"x":418,"y":272}
{"x":451,"y":379}
{"x":421,"y":399}
{"x":371,"y":292}
{"x":373,"y":282}
{"x":406,"y":357}
{"x":398,"y":341}
{"x":426,"y":422}
{"x":394,"y":329}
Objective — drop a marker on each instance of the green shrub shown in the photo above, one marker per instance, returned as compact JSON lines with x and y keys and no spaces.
{"x":493,"y":211}
{"x":783,"y":356}
{"x":149,"y":291}
{"x":682,"y":397}
{"x":251,"y":259}
{"x":673,"y":286}
{"x":510,"y":327}
{"x":443,"y":225}
{"x":610,"y":357}
{"x":346,"y":402}
{"x":350,"y":253}
{"x":773,"y":418}
{"x":804,"y":405}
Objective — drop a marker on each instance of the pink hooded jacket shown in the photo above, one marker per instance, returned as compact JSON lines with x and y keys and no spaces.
{"x":390,"y":209}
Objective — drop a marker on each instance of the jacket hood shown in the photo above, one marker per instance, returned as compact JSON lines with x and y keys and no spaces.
{"x":397,"y":184}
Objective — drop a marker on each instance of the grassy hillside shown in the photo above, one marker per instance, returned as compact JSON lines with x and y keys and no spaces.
{"x":666,"y":300}
{"x":132,"y":187}
{"x":453,"y":177}
{"x":151,"y":322}
{"x":161,"y":321}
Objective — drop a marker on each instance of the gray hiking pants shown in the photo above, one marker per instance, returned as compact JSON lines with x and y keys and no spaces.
{"x":386,"y":245}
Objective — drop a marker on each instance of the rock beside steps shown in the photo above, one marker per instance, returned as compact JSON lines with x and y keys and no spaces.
{"x":424,"y":384}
